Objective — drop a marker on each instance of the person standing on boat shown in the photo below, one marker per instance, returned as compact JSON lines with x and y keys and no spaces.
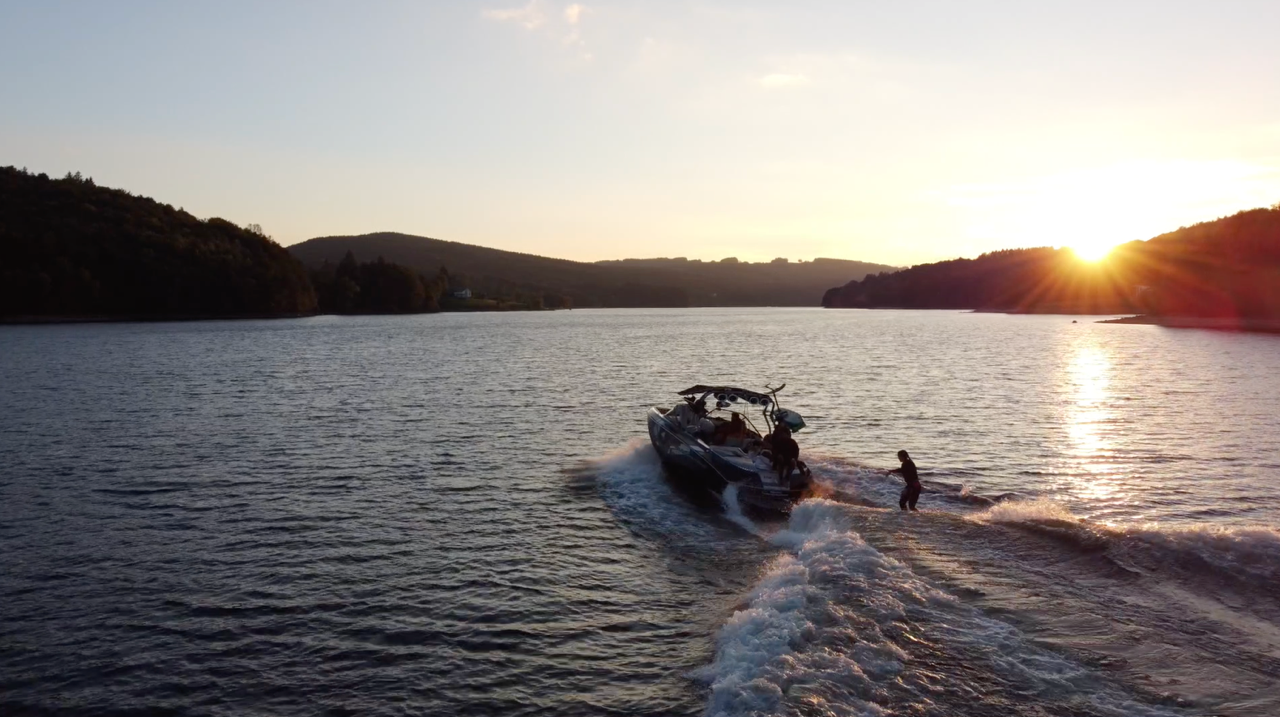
{"x":786,"y":452}
{"x":911,"y":493}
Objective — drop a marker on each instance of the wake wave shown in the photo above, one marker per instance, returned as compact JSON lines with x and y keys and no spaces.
{"x":631,"y":482}
{"x":1247,"y":555}
{"x":766,"y":647}
{"x":1250,"y":555}
{"x":838,"y":627}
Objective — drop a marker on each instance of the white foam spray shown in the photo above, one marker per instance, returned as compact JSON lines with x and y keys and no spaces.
{"x":853,"y":483}
{"x":632,"y":484}
{"x":733,"y":510}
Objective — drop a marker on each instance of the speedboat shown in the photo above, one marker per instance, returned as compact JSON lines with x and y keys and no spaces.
{"x":721,"y":446}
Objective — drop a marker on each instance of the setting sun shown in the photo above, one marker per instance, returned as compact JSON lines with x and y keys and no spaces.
{"x":1092,"y":251}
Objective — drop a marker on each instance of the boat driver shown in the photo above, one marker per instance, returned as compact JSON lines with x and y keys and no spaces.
{"x":786,"y":452}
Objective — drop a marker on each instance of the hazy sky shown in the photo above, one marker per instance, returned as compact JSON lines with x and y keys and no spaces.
{"x":893,"y":132}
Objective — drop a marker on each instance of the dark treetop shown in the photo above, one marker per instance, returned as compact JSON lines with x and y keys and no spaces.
{"x":74,"y":249}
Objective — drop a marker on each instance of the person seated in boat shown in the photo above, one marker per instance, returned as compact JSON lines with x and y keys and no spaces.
{"x":720,"y":432}
{"x":690,"y":414}
{"x":786,"y":452}
{"x":681,"y":413}
{"x":737,"y":431}
{"x":732,"y":432}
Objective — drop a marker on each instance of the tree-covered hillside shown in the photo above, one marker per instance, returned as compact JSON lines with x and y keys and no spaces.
{"x":1226,"y":268}
{"x":71,"y":248}
{"x":377,"y":287}
{"x":627,"y":283}
{"x":1042,"y":280}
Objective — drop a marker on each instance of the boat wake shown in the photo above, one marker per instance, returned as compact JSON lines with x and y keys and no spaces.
{"x":1183,"y":613}
{"x":989,"y":605}
{"x":632,"y":484}
{"x":837,"y":627}
{"x":1248,"y":557}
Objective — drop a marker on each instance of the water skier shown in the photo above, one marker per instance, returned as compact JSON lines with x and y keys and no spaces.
{"x":911,"y":493}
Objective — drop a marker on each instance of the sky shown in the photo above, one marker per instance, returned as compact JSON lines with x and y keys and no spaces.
{"x":898,"y":133}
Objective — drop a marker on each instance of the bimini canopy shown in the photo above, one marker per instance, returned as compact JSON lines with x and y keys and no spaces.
{"x":730,"y":394}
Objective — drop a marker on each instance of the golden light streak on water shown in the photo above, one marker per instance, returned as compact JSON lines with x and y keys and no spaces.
{"x":1089,"y":425}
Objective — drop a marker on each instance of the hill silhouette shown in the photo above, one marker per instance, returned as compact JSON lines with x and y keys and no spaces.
{"x":626,"y":283}
{"x":1228,"y":268}
{"x":74,"y":249}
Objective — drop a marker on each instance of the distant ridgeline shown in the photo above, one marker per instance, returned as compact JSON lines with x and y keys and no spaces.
{"x":73,"y":250}
{"x":70,"y":248}
{"x":1227,"y":268}
{"x":530,"y":279}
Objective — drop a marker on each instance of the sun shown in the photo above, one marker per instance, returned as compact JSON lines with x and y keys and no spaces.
{"x":1092,"y":251}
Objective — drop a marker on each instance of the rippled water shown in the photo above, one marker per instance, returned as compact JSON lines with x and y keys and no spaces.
{"x":458,"y":514}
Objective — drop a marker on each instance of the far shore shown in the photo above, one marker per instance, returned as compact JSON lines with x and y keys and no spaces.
{"x":1046,"y":311}
{"x":141,"y":318}
{"x":158,"y":318}
{"x":1267,"y":326}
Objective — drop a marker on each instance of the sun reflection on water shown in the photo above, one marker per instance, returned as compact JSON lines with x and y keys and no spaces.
{"x":1090,"y":421}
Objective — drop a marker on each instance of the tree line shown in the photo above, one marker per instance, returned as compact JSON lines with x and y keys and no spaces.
{"x":1225,"y":268}
{"x":377,"y":287}
{"x":69,"y":248}
{"x":74,"y":249}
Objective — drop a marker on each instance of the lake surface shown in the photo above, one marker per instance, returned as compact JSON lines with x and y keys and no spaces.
{"x":460,"y":514}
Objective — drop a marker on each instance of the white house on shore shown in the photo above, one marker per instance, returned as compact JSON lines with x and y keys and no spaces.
{"x":461,"y":294}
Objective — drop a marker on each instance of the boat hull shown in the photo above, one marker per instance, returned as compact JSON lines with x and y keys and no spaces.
{"x":692,"y":461}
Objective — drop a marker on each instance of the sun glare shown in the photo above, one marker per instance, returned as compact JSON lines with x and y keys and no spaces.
{"x":1114,"y":203}
{"x":1092,"y":252}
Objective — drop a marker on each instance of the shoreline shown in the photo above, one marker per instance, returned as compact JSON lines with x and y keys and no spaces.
{"x":965,"y":310}
{"x":140,"y":318}
{"x":1262,"y":326}
{"x":153,"y":319}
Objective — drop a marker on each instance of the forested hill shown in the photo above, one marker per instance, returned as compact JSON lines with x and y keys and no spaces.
{"x":627,"y":283}
{"x":1226,"y":268}
{"x":74,"y":249}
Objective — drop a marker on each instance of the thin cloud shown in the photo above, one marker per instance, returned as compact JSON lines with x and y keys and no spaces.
{"x":530,"y":16}
{"x":564,"y":26}
{"x":779,"y":79}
